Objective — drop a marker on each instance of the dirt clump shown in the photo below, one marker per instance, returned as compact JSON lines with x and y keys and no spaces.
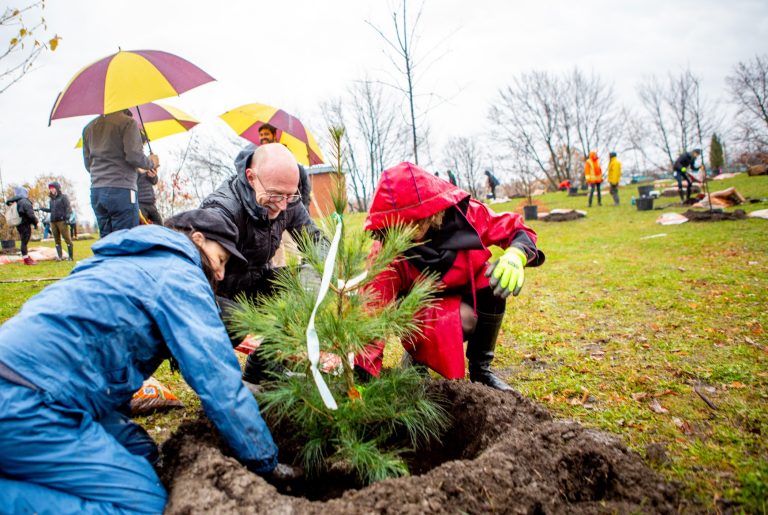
{"x":714,"y":216}
{"x":502,"y":453}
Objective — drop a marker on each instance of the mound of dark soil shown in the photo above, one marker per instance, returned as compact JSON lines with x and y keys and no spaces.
{"x":714,"y":216}
{"x":503,"y":453}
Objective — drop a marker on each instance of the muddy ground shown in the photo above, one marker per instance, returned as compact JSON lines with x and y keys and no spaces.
{"x":714,"y":216}
{"x":503,"y":453}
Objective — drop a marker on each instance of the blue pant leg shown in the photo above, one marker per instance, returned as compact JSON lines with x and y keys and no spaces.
{"x":48,"y":445}
{"x":99,"y":203}
{"x":131,"y":436}
{"x":123,"y":208}
{"x":18,"y":497}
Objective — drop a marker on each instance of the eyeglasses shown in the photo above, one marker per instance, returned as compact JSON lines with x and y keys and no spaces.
{"x":276,"y":198}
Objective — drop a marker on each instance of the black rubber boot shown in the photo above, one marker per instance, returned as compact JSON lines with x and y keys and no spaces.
{"x":59,"y":253}
{"x":255,"y":369}
{"x":480,"y":351}
{"x":71,"y":251}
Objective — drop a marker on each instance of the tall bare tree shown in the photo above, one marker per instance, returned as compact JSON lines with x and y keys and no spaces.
{"x":371,"y":140}
{"x":532,"y":116}
{"x":680,"y":116}
{"x":24,"y":28}
{"x":748,"y":85}
{"x":411,"y":65}
{"x":464,"y":155}
{"x":595,"y":116}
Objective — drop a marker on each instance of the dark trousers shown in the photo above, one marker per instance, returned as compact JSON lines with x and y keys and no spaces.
{"x":615,"y":193}
{"x":25,"y":233}
{"x":683,"y":176}
{"x":151,"y":213}
{"x":115,"y":209}
{"x":592,"y":188}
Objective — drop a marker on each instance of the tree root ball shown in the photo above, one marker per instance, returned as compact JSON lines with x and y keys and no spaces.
{"x":502,"y":453}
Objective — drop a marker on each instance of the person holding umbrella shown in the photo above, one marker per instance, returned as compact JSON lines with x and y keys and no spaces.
{"x":65,"y":445}
{"x":112,"y":151}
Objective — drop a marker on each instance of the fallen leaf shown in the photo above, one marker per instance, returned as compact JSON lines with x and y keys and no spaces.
{"x":656,"y":407}
{"x":656,"y":327}
{"x":737,"y":385}
{"x":639,"y":396}
{"x":683,"y":425}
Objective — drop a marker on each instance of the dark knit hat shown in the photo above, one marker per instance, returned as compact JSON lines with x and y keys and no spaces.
{"x":212,"y":224}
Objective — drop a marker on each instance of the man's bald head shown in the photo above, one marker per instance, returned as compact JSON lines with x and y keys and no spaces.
{"x":273,"y":172}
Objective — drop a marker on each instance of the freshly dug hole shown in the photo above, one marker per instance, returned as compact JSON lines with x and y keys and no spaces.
{"x":502,"y":453}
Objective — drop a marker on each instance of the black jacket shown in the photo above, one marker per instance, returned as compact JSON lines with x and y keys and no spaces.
{"x":686,"y":160}
{"x":58,"y":207}
{"x":305,"y":187}
{"x":259,"y":237}
{"x":146,"y":185}
{"x":25,"y":209}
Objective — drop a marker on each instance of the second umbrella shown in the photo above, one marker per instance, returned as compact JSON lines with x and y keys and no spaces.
{"x":247,"y":119}
{"x":160,"y":120}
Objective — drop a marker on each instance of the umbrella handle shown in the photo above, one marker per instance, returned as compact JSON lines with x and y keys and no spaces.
{"x":149,"y":146}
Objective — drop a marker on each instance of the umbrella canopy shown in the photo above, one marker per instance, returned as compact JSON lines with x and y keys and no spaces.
{"x":246,"y":121}
{"x":160,"y":120}
{"x":126,"y":79}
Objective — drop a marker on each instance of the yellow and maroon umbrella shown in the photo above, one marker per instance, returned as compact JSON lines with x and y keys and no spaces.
{"x":246,"y":121}
{"x":160,"y":120}
{"x":126,"y":79}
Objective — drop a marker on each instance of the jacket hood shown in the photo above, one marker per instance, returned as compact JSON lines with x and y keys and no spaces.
{"x":593,"y":155}
{"x":406,"y":193}
{"x":55,"y":185}
{"x":145,"y":238}
{"x":20,"y":192}
{"x":241,"y":161}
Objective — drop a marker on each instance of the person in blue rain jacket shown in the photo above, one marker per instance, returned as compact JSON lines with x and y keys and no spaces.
{"x":78,"y":350}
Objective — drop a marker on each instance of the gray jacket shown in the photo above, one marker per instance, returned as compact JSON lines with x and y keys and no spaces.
{"x":259,"y":237}
{"x":112,"y":151}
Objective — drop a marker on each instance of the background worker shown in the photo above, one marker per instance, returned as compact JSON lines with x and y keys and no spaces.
{"x":614,"y":176}
{"x":685,"y":163}
{"x":60,"y":210}
{"x":593,"y":175}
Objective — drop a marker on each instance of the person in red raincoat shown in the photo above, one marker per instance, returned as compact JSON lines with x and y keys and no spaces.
{"x":455,"y":232}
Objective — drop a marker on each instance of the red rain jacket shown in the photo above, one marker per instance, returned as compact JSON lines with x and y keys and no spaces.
{"x":407,"y":193}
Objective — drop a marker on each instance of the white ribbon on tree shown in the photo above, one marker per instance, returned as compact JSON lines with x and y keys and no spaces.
{"x":313,"y":342}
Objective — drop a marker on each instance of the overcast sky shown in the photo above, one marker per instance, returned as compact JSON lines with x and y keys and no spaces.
{"x":296,"y":54}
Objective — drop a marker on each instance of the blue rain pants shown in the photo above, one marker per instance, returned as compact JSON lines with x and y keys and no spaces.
{"x":59,"y":460}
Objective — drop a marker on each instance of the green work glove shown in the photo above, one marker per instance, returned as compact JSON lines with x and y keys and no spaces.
{"x":507,"y":273}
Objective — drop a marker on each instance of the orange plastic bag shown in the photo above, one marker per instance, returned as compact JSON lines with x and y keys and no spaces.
{"x":153,"y":396}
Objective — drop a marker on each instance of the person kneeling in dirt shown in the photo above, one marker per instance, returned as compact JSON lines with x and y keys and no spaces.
{"x":685,"y":163}
{"x":453,"y":234}
{"x":77,"y":351}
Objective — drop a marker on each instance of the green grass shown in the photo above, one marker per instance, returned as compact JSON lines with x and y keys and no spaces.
{"x":618,"y":320}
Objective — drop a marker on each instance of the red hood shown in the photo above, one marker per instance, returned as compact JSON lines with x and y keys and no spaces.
{"x":406,"y":193}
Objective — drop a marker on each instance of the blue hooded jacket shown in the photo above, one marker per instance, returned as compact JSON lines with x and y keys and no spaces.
{"x":101,"y":331}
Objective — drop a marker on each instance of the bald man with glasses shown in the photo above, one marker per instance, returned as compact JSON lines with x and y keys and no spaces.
{"x":262,"y":200}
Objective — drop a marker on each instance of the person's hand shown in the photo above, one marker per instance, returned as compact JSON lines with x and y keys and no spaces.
{"x":151,"y":173}
{"x":155,"y":160}
{"x":507,"y":273}
{"x":284,"y":472}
